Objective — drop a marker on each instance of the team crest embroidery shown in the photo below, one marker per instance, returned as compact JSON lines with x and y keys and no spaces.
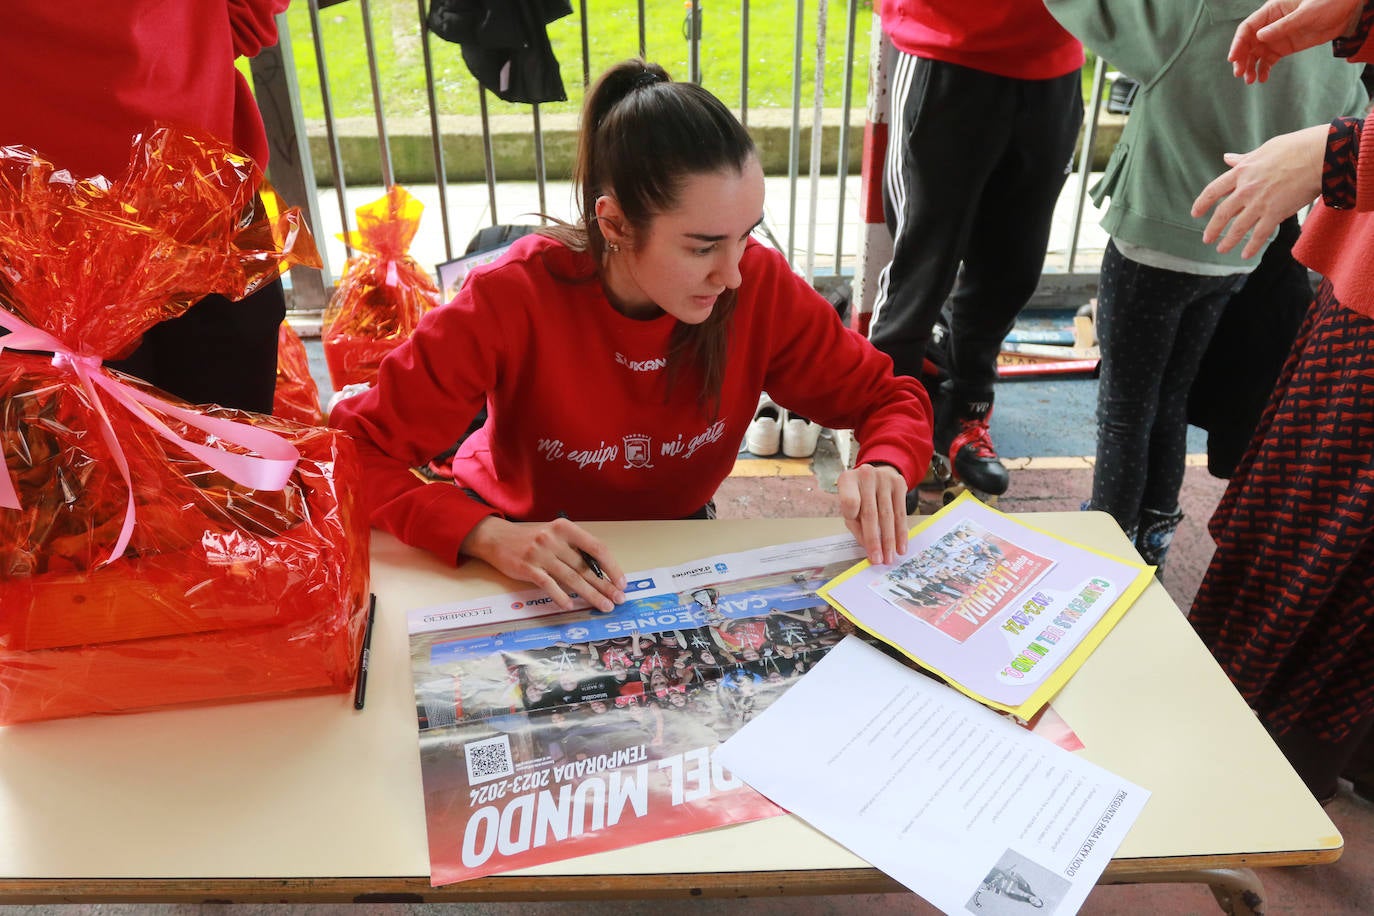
{"x":638,"y":452}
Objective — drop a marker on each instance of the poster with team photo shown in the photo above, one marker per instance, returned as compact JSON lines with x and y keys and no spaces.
{"x":945,"y":584}
{"x":1002,"y":611}
{"x":576,"y":734}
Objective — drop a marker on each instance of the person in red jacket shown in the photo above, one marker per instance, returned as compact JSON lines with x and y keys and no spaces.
{"x":986,"y":102}
{"x":1285,"y":606}
{"x":621,"y":359}
{"x":85,"y":77}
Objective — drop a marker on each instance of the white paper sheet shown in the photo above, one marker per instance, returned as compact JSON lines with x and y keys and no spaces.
{"x":947,"y":797}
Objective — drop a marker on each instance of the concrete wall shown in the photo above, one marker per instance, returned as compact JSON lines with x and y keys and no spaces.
{"x":512,"y":141}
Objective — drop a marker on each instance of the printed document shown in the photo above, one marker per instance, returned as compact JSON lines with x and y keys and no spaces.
{"x":954,"y":801}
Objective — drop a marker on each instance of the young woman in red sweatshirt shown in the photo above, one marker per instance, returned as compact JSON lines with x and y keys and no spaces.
{"x":621,"y":359}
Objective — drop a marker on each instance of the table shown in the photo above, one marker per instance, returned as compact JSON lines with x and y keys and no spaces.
{"x":305,"y":800}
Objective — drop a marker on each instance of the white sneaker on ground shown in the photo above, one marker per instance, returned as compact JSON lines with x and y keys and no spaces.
{"x":764,"y":436}
{"x":799,"y":436}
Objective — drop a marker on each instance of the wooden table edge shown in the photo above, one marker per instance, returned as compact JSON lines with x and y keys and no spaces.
{"x":801,"y":882}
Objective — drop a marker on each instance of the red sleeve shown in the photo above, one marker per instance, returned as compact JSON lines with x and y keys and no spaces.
{"x":1364,"y":169}
{"x":1339,"y":165}
{"x":427,"y":392}
{"x":1353,"y":46}
{"x":254,"y":25}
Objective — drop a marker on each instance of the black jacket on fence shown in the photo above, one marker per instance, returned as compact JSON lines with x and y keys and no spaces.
{"x":505,"y":44}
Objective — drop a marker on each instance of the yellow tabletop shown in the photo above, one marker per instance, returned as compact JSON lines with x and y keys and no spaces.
{"x":327,"y":801}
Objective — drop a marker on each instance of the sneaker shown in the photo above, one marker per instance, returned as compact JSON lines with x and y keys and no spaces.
{"x":764,"y":436}
{"x":799,"y":436}
{"x":1155,"y":534}
{"x":961,"y":433}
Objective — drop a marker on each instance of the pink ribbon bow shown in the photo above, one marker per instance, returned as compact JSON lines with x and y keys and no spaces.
{"x":270,"y":471}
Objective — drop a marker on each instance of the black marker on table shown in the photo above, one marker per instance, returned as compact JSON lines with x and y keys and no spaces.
{"x":360,"y":688}
{"x":587,"y":558}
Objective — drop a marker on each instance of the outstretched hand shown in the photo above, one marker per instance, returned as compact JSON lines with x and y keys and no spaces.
{"x":1283,"y":27}
{"x":1261,"y":189}
{"x":549,"y":555}
{"x":873,"y":505}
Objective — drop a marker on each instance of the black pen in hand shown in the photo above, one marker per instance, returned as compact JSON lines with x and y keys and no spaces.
{"x":587,"y":558}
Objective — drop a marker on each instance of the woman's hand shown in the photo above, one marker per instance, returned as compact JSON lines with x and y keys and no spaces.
{"x":873,"y":505}
{"x":549,"y":555}
{"x":1283,"y":27}
{"x":1262,"y":188}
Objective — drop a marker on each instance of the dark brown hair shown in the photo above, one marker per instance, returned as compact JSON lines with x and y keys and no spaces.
{"x":642,"y":137}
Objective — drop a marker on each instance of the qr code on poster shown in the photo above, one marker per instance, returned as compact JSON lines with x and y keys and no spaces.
{"x":488,"y":760}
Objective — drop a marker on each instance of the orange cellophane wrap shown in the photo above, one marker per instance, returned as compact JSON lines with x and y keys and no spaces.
{"x":223,"y":591}
{"x":382,"y":294}
{"x":297,"y":396}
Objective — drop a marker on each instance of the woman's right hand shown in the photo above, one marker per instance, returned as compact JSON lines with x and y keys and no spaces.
{"x":1283,"y":27}
{"x":1262,"y":188}
{"x":549,"y":555}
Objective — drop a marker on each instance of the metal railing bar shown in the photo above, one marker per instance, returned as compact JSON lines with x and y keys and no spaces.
{"x":817,"y":111}
{"x":794,"y":137}
{"x":842,"y":160}
{"x":487,"y":154}
{"x":326,"y":100}
{"x":586,"y":45}
{"x":693,"y":26}
{"x":744,"y":63}
{"x":436,"y":135}
{"x":383,"y":145}
{"x":1085,"y":162}
{"x":539,"y":175}
{"x":642,"y":39}
{"x":292,"y":172}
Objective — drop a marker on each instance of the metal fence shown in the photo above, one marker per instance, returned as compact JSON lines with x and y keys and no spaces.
{"x":294,"y":170}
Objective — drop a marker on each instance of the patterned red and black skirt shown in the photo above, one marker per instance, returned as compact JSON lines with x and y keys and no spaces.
{"x":1286,"y":605}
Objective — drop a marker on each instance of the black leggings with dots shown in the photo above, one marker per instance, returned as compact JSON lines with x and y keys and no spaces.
{"x":1153,"y":327}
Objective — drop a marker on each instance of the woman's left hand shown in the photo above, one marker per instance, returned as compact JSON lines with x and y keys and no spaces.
{"x":873,"y":505}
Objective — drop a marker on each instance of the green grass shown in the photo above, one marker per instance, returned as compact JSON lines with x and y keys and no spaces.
{"x":614,"y":35}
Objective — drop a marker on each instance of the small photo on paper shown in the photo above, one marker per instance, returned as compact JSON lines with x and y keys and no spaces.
{"x":1016,"y":886}
{"x":946,"y":585}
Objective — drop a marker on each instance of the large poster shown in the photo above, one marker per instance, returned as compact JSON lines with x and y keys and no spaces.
{"x":575,"y":734}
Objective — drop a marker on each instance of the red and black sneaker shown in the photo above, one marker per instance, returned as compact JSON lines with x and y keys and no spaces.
{"x":961,"y":435}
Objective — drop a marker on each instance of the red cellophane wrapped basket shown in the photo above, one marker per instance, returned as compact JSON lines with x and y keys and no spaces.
{"x":297,"y":396}
{"x":382,"y":294}
{"x":153,"y":553}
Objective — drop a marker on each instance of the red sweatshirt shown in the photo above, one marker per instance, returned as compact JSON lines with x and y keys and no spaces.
{"x":1338,"y":243}
{"x":1016,"y":38}
{"x":83,"y":76}
{"x":580,"y":417}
